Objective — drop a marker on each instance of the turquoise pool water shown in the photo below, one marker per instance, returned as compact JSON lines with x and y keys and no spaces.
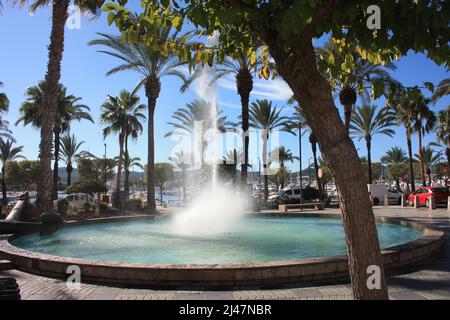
{"x":253,"y":240}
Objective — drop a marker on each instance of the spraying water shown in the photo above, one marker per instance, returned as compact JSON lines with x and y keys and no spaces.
{"x":217,"y":208}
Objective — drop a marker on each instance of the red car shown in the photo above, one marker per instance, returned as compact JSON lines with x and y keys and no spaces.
{"x":441,"y":195}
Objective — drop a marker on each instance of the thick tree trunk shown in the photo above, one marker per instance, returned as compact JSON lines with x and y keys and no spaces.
{"x":56,"y":48}
{"x":299,"y":70}
{"x":118,"y":197}
{"x":369,"y":157}
{"x":161,"y":193}
{"x":244,"y":82}
{"x":56,"y":132}
{"x":422,"y":165}
{"x":411,"y":164}
{"x":152,"y":89}
{"x":5,"y":197}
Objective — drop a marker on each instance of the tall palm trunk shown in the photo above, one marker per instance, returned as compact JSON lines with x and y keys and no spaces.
{"x":265,"y":137}
{"x":126,"y":187}
{"x":244,"y":82}
{"x":5,"y":197}
{"x":298,"y":69}
{"x":282,"y":174}
{"x":447,"y":153}
{"x":56,"y":48}
{"x":69,"y":170}
{"x":369,"y":157}
{"x":422,"y":165}
{"x":118,"y":197}
{"x":411,"y":164}
{"x":152,"y":89}
{"x":56,"y":132}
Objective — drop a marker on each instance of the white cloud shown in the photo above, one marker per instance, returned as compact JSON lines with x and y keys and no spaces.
{"x":272,"y":89}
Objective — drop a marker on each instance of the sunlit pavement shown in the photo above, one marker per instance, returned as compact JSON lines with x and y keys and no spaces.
{"x":428,"y":281}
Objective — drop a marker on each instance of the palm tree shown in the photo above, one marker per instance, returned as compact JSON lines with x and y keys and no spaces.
{"x":182,"y":161}
{"x":8,"y":153}
{"x":4,"y":102}
{"x":442,"y":90}
{"x":50,"y":94}
{"x":281,"y":155}
{"x":70,"y":152}
{"x":404,"y":110}
{"x":367,"y":122}
{"x":424,"y":121}
{"x":198,"y":111}
{"x":430,"y":158}
{"x":266,"y":117}
{"x":395,"y":158}
{"x":128,"y":163}
{"x":151,"y":65}
{"x":5,"y":133}
{"x":119,"y":114}
{"x":443,"y":133}
{"x":350,"y":84}
{"x":242,"y":68}
{"x":68,"y":109}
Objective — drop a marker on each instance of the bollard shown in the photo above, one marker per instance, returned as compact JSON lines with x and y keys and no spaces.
{"x":97,"y":210}
{"x":386,"y":200}
{"x":432,"y":203}
{"x":448,"y":204}
{"x":416,"y":202}
{"x":404,"y":202}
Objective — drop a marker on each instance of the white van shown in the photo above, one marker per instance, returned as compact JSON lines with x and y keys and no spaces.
{"x":287,"y":193}
{"x":378,"y":191}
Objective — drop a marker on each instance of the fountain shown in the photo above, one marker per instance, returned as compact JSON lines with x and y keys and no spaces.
{"x":211,"y":244}
{"x":217,"y":208}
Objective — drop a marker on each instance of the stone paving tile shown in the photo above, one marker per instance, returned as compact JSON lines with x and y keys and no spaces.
{"x":407,"y":296}
{"x":306,"y":292}
{"x":429,"y":281}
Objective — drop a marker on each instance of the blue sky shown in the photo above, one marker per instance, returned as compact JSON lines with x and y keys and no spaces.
{"x":23,"y":61}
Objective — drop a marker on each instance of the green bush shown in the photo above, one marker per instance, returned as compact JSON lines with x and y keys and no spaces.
{"x":103,"y":206}
{"x":61,"y":206}
{"x":85,"y":186}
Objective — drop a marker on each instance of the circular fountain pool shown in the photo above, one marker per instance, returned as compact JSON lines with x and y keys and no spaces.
{"x":252,"y":240}
{"x":259,"y":251}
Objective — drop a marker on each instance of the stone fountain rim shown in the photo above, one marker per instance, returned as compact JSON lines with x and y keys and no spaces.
{"x":220,"y":275}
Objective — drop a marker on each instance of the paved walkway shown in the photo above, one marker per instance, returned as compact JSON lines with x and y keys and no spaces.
{"x":428,"y":281}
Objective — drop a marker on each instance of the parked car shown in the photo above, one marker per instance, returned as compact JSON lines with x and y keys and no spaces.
{"x":379,"y":191}
{"x":284,"y":194}
{"x":77,"y":201}
{"x":440,"y":194}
